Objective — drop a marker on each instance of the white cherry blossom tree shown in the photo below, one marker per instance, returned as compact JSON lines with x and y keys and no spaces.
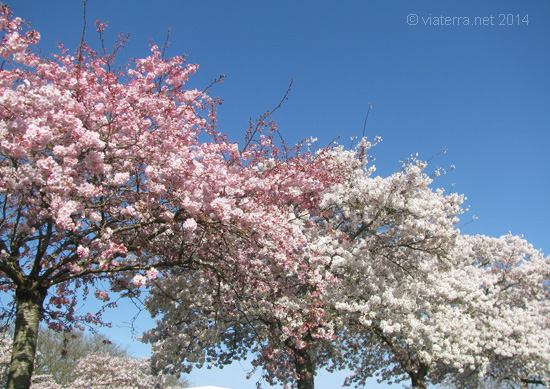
{"x":418,"y":300}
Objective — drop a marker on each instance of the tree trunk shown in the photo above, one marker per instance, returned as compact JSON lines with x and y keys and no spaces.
{"x":418,"y":378}
{"x":419,"y":382}
{"x":305,"y":369}
{"x":29,"y":307}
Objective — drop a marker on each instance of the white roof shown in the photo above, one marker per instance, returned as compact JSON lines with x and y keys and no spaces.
{"x":207,"y":387}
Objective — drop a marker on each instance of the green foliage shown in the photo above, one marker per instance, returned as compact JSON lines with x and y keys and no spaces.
{"x":59,"y":352}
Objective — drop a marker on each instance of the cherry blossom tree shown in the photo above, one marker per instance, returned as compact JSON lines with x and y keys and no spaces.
{"x":97,"y":371}
{"x":118,"y":173}
{"x":419,"y":301}
{"x":509,"y":333}
{"x":383,"y":237}
{"x":382,"y":221}
{"x":400,"y":294}
{"x":483,"y":318}
{"x":233,"y":315}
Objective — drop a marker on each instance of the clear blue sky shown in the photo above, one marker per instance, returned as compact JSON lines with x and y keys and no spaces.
{"x":483,"y":91}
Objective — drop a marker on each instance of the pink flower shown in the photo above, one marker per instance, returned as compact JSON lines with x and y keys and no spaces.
{"x":121,"y":178}
{"x":139,"y":280}
{"x":113,"y":250}
{"x":190,"y":225}
{"x":102,"y":295}
{"x":83,"y":252}
{"x":152,"y":273}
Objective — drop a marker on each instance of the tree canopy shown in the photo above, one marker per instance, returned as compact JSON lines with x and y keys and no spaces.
{"x":303,"y":259}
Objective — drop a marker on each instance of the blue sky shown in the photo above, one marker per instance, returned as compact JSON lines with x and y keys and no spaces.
{"x":483,"y":91}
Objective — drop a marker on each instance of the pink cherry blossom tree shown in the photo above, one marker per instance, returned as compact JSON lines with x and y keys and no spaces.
{"x":235,"y":314}
{"x":118,"y":173}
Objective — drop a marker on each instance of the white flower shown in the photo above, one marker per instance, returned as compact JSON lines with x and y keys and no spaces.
{"x":190,"y":225}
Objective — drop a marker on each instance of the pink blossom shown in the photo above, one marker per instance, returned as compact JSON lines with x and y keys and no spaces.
{"x":139,"y":280}
{"x":190,"y":225}
{"x":113,"y":250}
{"x":83,"y":252}
{"x":92,"y":140}
{"x":120,"y":178}
{"x":102,"y":295}
{"x":75,"y":269}
{"x":152,"y":273}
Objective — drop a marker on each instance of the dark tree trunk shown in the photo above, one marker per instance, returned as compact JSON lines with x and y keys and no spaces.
{"x":418,"y":378}
{"x":305,"y":369}
{"x":419,"y":382}
{"x":29,"y":306}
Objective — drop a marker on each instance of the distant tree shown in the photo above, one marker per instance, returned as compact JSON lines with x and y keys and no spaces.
{"x":76,"y":360}
{"x":99,"y":371}
{"x":59,"y":353}
{"x":170,"y":381}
